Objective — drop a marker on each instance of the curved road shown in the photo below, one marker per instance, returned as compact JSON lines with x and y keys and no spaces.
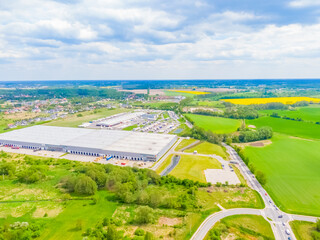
{"x":278,"y":220}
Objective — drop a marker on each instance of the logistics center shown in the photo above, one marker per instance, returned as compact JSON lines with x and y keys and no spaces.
{"x":92,"y":142}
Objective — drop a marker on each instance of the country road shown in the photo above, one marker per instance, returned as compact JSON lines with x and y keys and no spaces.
{"x":278,"y":220}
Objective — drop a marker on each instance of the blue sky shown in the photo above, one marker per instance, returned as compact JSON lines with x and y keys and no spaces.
{"x":160,"y":39}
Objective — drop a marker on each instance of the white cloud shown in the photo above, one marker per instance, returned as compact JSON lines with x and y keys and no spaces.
{"x":304,"y":3}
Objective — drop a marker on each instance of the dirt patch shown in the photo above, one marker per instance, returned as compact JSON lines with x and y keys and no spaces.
{"x":302,"y":139}
{"x":40,"y":212}
{"x":251,"y":126}
{"x":169,"y":221}
{"x":262,"y":143}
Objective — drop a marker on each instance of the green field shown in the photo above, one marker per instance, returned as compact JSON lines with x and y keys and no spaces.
{"x":184,"y":143}
{"x":171,"y":93}
{"x":74,"y":121}
{"x":164,"y":164}
{"x":215,"y":124}
{"x":243,"y":227}
{"x":310,"y":113}
{"x":289,"y":127}
{"x":208,"y":148}
{"x":292,"y":170}
{"x":303,"y":230}
{"x":130,"y":128}
{"x":192,"y":167}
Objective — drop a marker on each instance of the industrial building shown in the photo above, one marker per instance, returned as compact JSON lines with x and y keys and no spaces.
{"x":119,"y":118}
{"x":92,"y":142}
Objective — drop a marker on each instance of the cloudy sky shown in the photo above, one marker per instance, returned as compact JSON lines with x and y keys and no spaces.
{"x":159,"y":39}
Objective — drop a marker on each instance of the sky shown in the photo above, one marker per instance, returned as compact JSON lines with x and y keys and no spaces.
{"x":159,"y":39}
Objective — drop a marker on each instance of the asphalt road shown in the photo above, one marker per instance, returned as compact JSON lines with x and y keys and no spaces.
{"x":174,"y":162}
{"x":278,"y":220}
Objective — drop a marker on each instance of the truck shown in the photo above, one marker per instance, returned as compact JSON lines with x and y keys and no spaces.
{"x":287,"y":231}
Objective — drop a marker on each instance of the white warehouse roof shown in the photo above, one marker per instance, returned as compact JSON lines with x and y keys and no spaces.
{"x":110,"y":140}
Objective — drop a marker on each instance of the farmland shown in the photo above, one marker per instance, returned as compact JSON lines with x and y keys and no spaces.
{"x":77,"y":119}
{"x":184,"y":143}
{"x":303,"y":230}
{"x":192,"y":167}
{"x":243,"y":227}
{"x":310,"y":113}
{"x":284,"y":100}
{"x":289,"y":127}
{"x":215,"y":124}
{"x":189,"y":92}
{"x":292,"y":169}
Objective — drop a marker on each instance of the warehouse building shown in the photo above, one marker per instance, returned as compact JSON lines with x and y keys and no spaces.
{"x":91,"y":142}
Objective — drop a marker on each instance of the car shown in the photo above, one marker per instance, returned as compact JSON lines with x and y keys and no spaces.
{"x":280,"y":216}
{"x":283,"y":224}
{"x":270,"y":201}
{"x":289,"y":238}
{"x":266,"y":194}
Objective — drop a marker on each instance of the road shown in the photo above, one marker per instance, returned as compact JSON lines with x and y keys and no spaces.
{"x":278,"y":220}
{"x":164,"y":157}
{"x":174,"y":162}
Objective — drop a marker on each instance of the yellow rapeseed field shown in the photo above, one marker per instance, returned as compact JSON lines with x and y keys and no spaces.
{"x":191,"y":92}
{"x":284,"y":100}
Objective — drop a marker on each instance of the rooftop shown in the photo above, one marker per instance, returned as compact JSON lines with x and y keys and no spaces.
{"x":111,"y":140}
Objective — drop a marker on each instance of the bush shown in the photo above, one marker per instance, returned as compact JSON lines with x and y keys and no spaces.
{"x":32,"y":174}
{"x":7,"y":168}
{"x":144,"y":215}
{"x":85,"y":185}
{"x":261,"y":177}
{"x":139,"y":232}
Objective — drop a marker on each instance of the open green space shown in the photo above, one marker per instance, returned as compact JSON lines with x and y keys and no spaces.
{"x":310,"y":113}
{"x":242,"y":227}
{"x":291,"y":166}
{"x":303,"y":230}
{"x":184,"y":143}
{"x":289,"y":127}
{"x":214,"y":104}
{"x":130,"y":128}
{"x":215,"y":124}
{"x":77,"y":119}
{"x":164,"y":164}
{"x":192,"y":167}
{"x":208,"y":148}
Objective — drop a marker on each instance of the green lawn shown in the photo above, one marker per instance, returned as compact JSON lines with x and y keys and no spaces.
{"x":192,"y":167}
{"x":289,"y":127}
{"x":185,"y":143}
{"x":164,"y":164}
{"x":208,"y":148}
{"x":303,"y":230}
{"x":292,"y":170}
{"x":74,"y":121}
{"x":63,"y":226}
{"x":310,"y":113}
{"x":130,"y":128}
{"x":171,"y":93}
{"x":215,"y":124}
{"x":245,"y":227}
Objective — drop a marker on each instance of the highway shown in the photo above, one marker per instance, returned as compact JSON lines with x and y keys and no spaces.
{"x":278,"y":220}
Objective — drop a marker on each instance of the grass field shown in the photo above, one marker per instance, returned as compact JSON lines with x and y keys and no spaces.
{"x":245,"y":227}
{"x":208,"y":148}
{"x":284,"y":100}
{"x":164,"y":164}
{"x":303,"y":230}
{"x":310,"y":113}
{"x":292,"y":170}
{"x":130,"y":128}
{"x":215,"y":124}
{"x":192,"y":167}
{"x":289,"y":127}
{"x":184,"y":143}
{"x":173,"y":93}
{"x":74,"y":121}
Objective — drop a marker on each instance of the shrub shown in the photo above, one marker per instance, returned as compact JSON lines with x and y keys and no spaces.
{"x":139,"y":232}
{"x":144,"y":215}
{"x":85,"y":185}
{"x":32,"y":174}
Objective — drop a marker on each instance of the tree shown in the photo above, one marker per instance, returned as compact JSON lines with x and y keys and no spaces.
{"x":149,"y":236}
{"x":261,"y":177}
{"x":85,"y":185}
{"x":318,"y":225}
{"x":112,"y":233}
{"x":144,"y":215}
{"x":7,"y":168}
